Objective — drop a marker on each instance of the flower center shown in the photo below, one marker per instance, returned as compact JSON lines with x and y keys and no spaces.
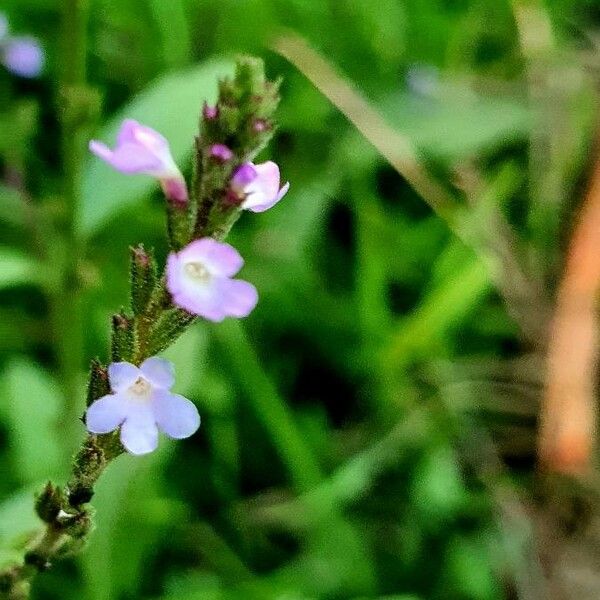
{"x":197,"y":271}
{"x":140,"y":389}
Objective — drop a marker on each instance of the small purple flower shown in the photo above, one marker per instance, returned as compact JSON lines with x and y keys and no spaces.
{"x":199,"y":279}
{"x":258,"y":185}
{"x":141,"y":404}
{"x":142,"y":150}
{"x":22,"y":56}
{"x":221,"y":152}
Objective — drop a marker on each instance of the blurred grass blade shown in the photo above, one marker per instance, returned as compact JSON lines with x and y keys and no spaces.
{"x":32,"y":410}
{"x":444,"y":307}
{"x":268,"y":405}
{"x":172,"y":24}
{"x":17,"y":268}
{"x":393,"y":146}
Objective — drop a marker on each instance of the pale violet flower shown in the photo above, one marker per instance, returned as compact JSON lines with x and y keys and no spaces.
{"x":21,"y":55}
{"x":199,"y":279}
{"x":258,"y":186}
{"x":141,"y":404}
{"x":142,"y":150}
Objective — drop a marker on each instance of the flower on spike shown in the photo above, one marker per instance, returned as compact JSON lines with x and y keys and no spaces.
{"x":142,"y":150}
{"x":199,"y":279}
{"x":221,"y":152}
{"x":257,"y":186}
{"x":140,"y":404}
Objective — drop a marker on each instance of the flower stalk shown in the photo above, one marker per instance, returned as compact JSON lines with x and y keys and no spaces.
{"x":197,"y":281}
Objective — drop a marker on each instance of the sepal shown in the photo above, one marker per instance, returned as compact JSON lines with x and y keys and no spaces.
{"x":98,"y":385}
{"x":122,"y":340}
{"x":49,"y":502}
{"x":143,"y":277}
{"x":170,"y":325}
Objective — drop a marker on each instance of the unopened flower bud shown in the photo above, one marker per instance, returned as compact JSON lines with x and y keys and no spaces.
{"x":210,"y":112}
{"x":221,"y":152}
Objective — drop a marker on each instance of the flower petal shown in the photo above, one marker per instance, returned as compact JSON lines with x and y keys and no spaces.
{"x":264,"y":192}
{"x":283,"y":191}
{"x":203,"y":301}
{"x":105,"y":414}
{"x":243,"y":176}
{"x":175,"y":415}
{"x":101,"y":150}
{"x":121,"y":375}
{"x":159,"y":372}
{"x":131,"y":159}
{"x":219,"y":258}
{"x":127,"y":131}
{"x":139,"y":433}
{"x":139,"y":149}
{"x":237,"y":297}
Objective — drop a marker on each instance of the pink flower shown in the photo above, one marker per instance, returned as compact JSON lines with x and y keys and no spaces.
{"x":141,"y":404}
{"x":258,"y":185}
{"x":142,"y":150}
{"x":199,"y":279}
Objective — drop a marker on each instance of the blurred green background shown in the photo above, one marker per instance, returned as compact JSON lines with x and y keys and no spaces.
{"x":365,"y":429}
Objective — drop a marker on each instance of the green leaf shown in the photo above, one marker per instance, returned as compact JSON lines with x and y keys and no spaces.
{"x":32,"y":412}
{"x":18,"y":522}
{"x":171,"y":105}
{"x":17,"y":268}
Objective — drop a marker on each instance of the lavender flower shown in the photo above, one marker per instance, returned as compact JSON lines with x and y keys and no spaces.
{"x":199,"y":281}
{"x":143,"y":150}
{"x":258,"y":186}
{"x":22,"y":55}
{"x":141,"y":404}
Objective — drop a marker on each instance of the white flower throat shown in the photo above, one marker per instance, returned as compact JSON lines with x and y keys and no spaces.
{"x":197,"y":271}
{"x":140,"y":390}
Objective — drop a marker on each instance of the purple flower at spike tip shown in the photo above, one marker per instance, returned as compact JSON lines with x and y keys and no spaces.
{"x":258,"y":185}
{"x":199,"y":279}
{"x":141,"y":404}
{"x":22,"y":56}
{"x":142,"y":150}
